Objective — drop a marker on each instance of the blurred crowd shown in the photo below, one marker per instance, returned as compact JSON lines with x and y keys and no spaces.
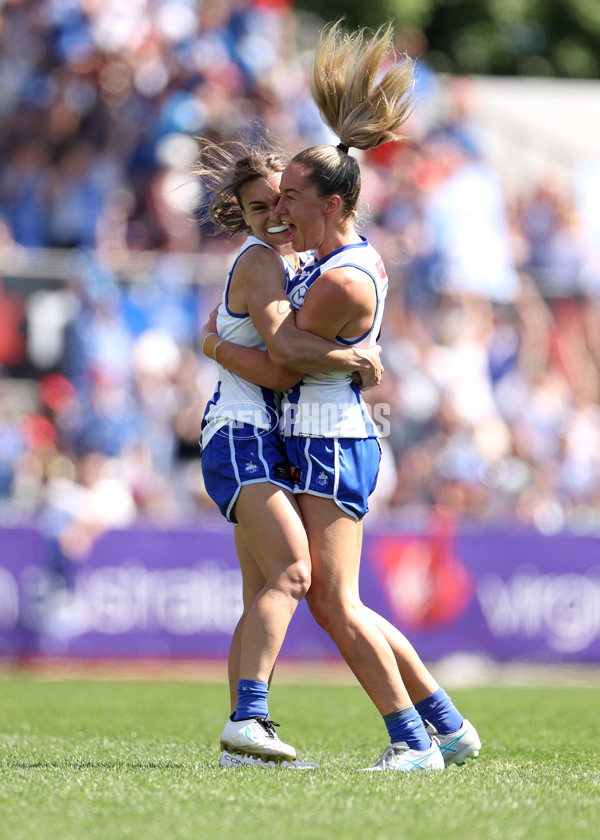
{"x":489,"y":405}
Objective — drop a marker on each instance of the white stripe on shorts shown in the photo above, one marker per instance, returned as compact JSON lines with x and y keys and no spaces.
{"x":260,"y":452}
{"x":336,"y":468}
{"x":308,"y":461}
{"x":235,"y":472}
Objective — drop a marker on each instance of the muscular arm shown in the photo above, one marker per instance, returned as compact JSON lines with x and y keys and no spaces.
{"x":254,"y":365}
{"x":290,"y":348}
{"x":295,"y":348}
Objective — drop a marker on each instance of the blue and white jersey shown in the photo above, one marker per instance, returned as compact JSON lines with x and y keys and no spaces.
{"x":330,"y":404}
{"x":235,"y":399}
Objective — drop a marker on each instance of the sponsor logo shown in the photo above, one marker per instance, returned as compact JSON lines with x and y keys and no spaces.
{"x":114,"y":600}
{"x":427,"y":585}
{"x":563,"y":609}
{"x":381,"y":270}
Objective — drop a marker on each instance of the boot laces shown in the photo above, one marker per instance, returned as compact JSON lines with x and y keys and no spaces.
{"x":268,"y":724}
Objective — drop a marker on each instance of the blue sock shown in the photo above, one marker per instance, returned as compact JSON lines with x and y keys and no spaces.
{"x":440,"y":711}
{"x":252,"y":700}
{"x":406,"y":725}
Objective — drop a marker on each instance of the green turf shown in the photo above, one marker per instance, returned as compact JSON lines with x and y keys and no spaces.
{"x":139,"y":760}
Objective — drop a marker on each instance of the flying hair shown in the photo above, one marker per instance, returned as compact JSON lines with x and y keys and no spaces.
{"x":223,"y":169}
{"x":361,"y":106}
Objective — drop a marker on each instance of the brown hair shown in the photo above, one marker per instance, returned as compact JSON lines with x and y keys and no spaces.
{"x":223,"y":169}
{"x":362,"y":109}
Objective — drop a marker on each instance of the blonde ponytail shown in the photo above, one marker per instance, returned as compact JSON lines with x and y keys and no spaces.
{"x":363,"y":109}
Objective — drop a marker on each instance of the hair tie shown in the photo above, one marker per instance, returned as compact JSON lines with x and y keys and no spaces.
{"x":343,"y":148}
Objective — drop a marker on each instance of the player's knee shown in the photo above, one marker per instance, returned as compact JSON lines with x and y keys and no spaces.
{"x":304,"y":579}
{"x":298,"y":579}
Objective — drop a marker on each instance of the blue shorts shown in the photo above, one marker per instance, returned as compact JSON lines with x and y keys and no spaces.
{"x":342,"y":469}
{"x":237,"y":455}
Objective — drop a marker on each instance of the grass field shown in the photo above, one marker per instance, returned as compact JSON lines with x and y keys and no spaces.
{"x":139,"y":760}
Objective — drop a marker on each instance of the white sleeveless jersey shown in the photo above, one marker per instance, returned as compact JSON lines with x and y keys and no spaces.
{"x":330,"y":404}
{"x":235,"y":399}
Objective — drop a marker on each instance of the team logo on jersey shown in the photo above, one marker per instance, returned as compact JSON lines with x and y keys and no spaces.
{"x":297,"y":288}
{"x":297,"y":297}
{"x":251,"y":467}
{"x":322,"y":478}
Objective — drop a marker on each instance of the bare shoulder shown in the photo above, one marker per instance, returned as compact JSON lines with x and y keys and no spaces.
{"x":348,"y":281}
{"x":259,"y":261}
{"x":259,"y":255}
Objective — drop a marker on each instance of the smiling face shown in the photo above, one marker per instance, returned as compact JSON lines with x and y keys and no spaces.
{"x":302,"y":208}
{"x":258,"y":200}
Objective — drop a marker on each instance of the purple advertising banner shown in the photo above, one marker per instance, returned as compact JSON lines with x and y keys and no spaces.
{"x":505,"y":596}
{"x":22,"y":575}
{"x":150,"y":592}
